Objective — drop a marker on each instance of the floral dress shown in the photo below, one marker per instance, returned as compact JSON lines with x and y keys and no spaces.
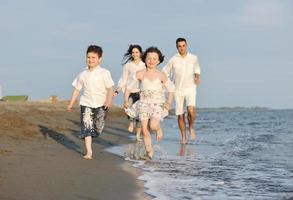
{"x":151,"y":103}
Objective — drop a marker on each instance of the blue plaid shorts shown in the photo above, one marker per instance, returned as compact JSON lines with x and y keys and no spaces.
{"x":92,"y":121}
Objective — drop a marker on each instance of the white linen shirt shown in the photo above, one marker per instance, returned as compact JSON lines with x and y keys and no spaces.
{"x":183,"y":69}
{"x":129,"y":75}
{"x":94,"y":84}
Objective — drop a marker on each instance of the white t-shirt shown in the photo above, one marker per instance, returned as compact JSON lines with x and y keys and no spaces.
{"x":183,"y":69}
{"x":94,"y":84}
{"x":129,"y":75}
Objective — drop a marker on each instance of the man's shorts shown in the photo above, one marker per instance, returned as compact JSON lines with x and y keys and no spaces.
{"x":184,"y":98}
{"x":92,"y":121}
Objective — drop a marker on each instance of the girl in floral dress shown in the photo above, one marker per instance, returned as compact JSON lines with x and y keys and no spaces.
{"x":152,"y":107}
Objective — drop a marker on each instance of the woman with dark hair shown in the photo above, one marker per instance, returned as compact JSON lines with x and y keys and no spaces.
{"x":131,"y":64}
{"x":151,"y":107}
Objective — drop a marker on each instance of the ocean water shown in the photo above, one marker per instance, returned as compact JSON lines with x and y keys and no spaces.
{"x":237,"y":155}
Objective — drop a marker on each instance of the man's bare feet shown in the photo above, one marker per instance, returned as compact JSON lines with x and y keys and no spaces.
{"x":192,"y":134}
{"x":88,"y":157}
{"x":130,"y":127}
{"x":183,"y":141}
{"x":159,"y":135}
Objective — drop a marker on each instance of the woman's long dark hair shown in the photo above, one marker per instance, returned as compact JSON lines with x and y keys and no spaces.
{"x":128,"y":55}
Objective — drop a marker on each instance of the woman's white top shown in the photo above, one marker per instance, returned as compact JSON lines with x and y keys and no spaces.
{"x":129,"y":75}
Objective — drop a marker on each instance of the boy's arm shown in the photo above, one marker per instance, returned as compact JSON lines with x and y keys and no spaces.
{"x":74,"y":96}
{"x":123,"y":79}
{"x":108,"y":102}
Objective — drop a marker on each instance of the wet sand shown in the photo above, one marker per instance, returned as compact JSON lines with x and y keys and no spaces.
{"x":41,"y":155}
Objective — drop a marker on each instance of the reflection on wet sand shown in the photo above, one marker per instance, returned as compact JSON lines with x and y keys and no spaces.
{"x":183,"y":151}
{"x":136,"y":151}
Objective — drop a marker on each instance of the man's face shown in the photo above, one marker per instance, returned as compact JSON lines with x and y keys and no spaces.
{"x":181,"y":47}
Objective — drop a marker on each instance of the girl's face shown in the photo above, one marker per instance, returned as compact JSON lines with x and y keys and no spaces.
{"x":152,"y":60}
{"x":92,"y":60}
{"x":135,"y":54}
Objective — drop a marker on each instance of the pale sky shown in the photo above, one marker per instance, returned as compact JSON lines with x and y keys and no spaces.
{"x":244,"y":47}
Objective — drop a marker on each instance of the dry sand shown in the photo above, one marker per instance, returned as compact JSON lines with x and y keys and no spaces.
{"x":41,"y":156}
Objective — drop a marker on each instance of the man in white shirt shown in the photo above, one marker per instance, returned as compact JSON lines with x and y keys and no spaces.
{"x":185,"y":69}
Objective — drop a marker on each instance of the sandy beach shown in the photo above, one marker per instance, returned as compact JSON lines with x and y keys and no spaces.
{"x":41,"y":155}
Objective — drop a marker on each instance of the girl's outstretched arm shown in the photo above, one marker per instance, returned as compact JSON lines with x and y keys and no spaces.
{"x":169,"y":86}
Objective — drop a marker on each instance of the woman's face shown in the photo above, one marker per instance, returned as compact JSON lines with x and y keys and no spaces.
{"x":135,"y":54}
{"x":152,"y":60}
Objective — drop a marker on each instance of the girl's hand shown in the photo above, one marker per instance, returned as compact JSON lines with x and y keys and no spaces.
{"x":125,"y":104}
{"x":167,"y":106}
{"x":115,"y":94}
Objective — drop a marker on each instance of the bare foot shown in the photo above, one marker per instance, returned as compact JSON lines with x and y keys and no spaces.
{"x":88,"y":157}
{"x":130,"y":127}
{"x":150,"y":154}
{"x":159,"y":135}
{"x":138,"y":138}
{"x":192,"y":134}
{"x":183,"y":142}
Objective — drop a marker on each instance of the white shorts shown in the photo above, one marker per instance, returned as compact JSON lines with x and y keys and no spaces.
{"x":184,"y":98}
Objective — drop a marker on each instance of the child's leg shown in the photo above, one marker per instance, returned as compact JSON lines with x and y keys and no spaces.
{"x":130,"y":126}
{"x":138,"y":130}
{"x":87,"y":128}
{"x":147,"y":138}
{"x":100,"y":119}
{"x":88,"y":146}
{"x":131,"y":122}
{"x":155,"y":126}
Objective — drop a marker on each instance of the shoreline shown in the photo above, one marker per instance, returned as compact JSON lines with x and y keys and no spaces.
{"x":41,"y":155}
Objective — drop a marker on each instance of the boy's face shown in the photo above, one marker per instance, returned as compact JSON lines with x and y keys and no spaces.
{"x":93,"y":59}
{"x":152,"y":60}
